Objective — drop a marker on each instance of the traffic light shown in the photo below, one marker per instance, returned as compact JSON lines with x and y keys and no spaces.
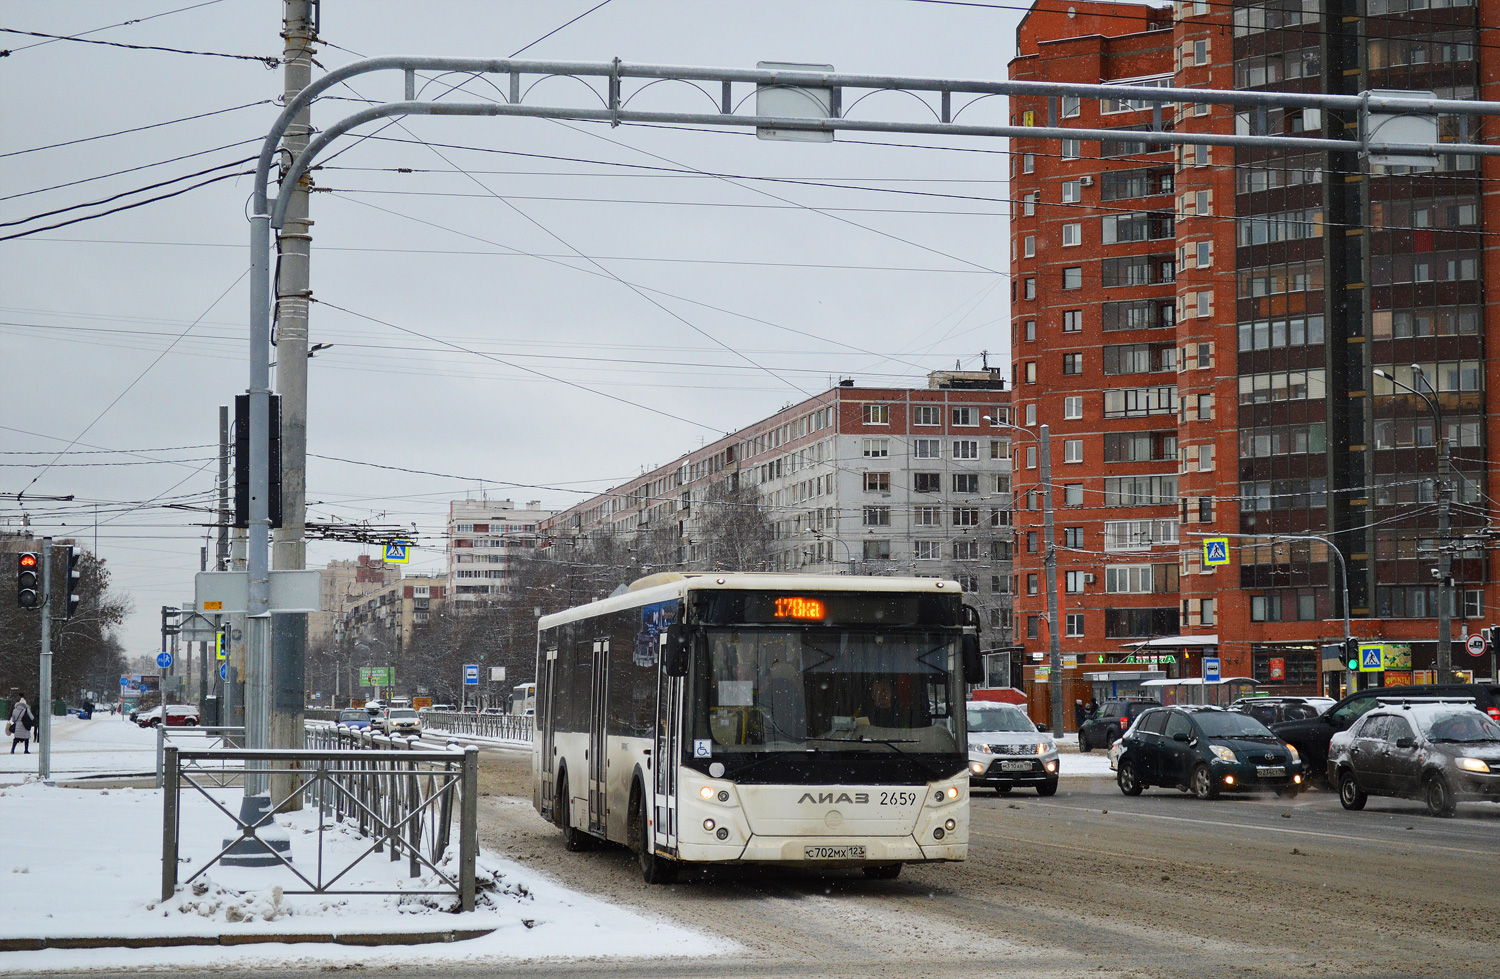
{"x":28,"y":578}
{"x":73,"y":576}
{"x":1351,"y":653}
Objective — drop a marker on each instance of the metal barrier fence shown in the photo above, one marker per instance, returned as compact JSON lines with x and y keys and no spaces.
{"x":223,"y":774}
{"x":501,"y":727}
{"x":399,"y":796}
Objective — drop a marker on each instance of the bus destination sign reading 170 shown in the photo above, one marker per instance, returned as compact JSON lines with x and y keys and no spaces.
{"x":797,"y":607}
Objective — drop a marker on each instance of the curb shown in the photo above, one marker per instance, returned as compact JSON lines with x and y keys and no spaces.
{"x":370,"y":939}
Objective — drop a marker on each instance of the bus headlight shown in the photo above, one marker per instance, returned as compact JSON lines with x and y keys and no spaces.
{"x":938,"y":834}
{"x":723,"y":833}
{"x":950,"y":825}
{"x":708,"y":824}
{"x":952,"y":792}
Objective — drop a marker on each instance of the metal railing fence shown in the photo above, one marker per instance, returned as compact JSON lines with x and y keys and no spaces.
{"x":501,"y":727}
{"x":401,"y":797}
{"x":221,"y":774}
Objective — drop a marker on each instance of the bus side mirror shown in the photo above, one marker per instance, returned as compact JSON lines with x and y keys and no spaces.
{"x":674,"y":656}
{"x":973,"y":665}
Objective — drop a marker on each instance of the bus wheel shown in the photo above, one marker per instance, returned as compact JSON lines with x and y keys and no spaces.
{"x":574,"y":840}
{"x":654,"y":869}
{"x":884,"y":871}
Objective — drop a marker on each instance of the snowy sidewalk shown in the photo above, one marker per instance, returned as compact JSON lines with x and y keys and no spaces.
{"x":107,"y":744}
{"x":86,"y":863}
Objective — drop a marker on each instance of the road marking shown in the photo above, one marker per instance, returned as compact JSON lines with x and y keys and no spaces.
{"x":1340,"y":837}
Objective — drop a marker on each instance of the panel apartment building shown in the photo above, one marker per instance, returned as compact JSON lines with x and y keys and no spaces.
{"x":895,"y":481}
{"x":1199,"y":327}
{"x":484,"y":538}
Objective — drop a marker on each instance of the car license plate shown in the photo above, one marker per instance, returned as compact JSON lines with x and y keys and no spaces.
{"x":834,"y":852}
{"x":1015,"y":766}
{"x":1270,"y":771}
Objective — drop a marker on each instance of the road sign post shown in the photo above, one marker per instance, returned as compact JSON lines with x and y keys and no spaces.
{"x":1475,"y":645}
{"x":1210,"y":669}
{"x":471,"y":675}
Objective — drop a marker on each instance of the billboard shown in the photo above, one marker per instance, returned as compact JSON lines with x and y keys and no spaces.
{"x":138,"y":685}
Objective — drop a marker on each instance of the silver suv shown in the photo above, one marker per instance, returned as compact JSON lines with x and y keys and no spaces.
{"x":1438,"y":751}
{"x":1007,"y":750}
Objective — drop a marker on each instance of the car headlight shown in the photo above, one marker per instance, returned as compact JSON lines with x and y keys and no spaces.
{"x":1224,"y":754}
{"x":1472,"y":765}
{"x":1291,"y":750}
{"x":982,"y":749}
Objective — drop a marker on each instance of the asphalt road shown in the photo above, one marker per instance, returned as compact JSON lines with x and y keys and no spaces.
{"x":1086,"y":883}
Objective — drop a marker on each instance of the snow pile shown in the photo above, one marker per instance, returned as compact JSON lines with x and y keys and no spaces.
{"x":87,"y":863}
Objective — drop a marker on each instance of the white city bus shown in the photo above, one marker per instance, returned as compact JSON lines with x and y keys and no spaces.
{"x":759,"y":718}
{"x":523,"y":700}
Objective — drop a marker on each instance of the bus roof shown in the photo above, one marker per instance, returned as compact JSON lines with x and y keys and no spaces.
{"x":676,"y":584}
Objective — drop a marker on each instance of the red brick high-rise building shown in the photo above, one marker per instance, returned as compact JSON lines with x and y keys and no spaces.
{"x":1200,"y":326}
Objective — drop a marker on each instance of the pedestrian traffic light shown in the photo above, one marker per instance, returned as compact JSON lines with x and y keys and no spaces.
{"x":73,"y":576}
{"x":28,"y":595}
{"x":1351,"y":653}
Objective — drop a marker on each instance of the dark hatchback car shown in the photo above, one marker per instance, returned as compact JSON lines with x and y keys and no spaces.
{"x":1437,"y":752}
{"x":1271,"y":710}
{"x":1310,"y":736}
{"x":1205,"y":751}
{"x":1114,"y":719}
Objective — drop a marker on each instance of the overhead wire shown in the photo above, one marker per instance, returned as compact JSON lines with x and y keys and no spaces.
{"x":267,"y":60}
{"x":123,"y":23}
{"x":137,"y":129}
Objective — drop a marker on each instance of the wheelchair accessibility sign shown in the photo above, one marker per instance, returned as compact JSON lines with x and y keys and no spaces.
{"x":1215,"y":551}
{"x":398,"y":552}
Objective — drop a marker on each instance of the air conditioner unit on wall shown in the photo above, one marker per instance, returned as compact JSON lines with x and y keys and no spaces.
{"x":1085,"y":181}
{"x":1088,"y":579}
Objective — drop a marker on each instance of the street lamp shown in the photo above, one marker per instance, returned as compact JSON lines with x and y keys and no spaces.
{"x":848,"y":551}
{"x":1445,"y":557}
{"x":1054,"y":644}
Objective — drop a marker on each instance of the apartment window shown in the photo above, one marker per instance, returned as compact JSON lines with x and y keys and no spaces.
{"x":877,"y":414}
{"x":1207,"y":609}
{"x":1073,"y":537}
{"x":1033,"y":624}
{"x":1028,"y":289}
{"x":966,"y":516}
{"x":968,"y":582}
{"x":999,"y":584}
{"x":1072,"y":191}
{"x":1205,"y":304}
{"x":927,"y":415}
{"x":927,"y":550}
{"x":966,"y":417}
{"x":1033,"y":499}
{"x":1071,"y":149}
{"x":1031,"y":414}
{"x":1072,"y":105}
{"x":1073,"y":583}
{"x":1072,"y":234}
{"x":1030,"y":372}
{"x":1028,"y":205}
{"x":966,"y":550}
{"x":1075,"y":624}
{"x":1201,"y":204}
{"x":1002,"y":484}
{"x":1031,"y":457}
{"x":927,"y":448}
{"x":966,"y":449}
{"x":1205,"y":509}
{"x":877,"y":516}
{"x":1072,"y":364}
{"x":1073,"y":407}
{"x":877,"y":482}
{"x":1031,"y":549}
{"x":1200,"y":52}
{"x":1028,"y":163}
{"x":999,"y":448}
{"x":1031,"y":584}
{"x":966,"y":483}
{"x":1073,"y":494}
{"x":1030,"y":327}
{"x":1205,"y":407}
{"x":1072,"y":278}
{"x":1028,"y":247}
{"x":1205,"y":456}
{"x":927,"y":516}
{"x":877,"y":550}
{"x":877,"y":448}
{"x":927,"y":482}
{"x":1073,"y":450}
{"x":1205,"y":254}
{"x":1072,"y":320}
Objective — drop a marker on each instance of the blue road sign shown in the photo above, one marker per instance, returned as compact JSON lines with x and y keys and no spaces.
{"x":397,"y":552}
{"x":1371,"y":658}
{"x":124,"y":681}
{"x":1210,"y":669}
{"x":223,"y":671}
{"x":1215,"y":551}
{"x":164,"y":660}
{"x":471,"y":674}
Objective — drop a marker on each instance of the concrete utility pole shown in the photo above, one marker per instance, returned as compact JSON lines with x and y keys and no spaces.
{"x":43,"y":709}
{"x":289,"y":630}
{"x":1054,"y":639}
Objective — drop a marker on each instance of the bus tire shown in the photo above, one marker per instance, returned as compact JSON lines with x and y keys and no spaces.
{"x":883,"y":871}
{"x":574,"y":840}
{"x":654,"y":869}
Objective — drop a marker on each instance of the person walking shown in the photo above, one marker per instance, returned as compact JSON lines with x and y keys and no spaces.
{"x":22,"y":725}
{"x":1079,"y":714}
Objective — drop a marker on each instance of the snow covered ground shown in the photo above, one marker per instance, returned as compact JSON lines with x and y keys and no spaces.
{"x":87,"y":862}
{"x":105,"y":744}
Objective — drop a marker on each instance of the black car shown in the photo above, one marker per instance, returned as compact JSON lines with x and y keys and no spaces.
{"x":1310,"y":736}
{"x":1205,"y":750}
{"x":1113,"y":720}
{"x":1439,"y":752}
{"x":1272,"y":710}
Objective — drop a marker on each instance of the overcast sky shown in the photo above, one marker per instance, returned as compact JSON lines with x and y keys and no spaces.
{"x":127,"y":332}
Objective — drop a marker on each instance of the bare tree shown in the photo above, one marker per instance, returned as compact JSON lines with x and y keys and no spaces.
{"x":735,"y":530}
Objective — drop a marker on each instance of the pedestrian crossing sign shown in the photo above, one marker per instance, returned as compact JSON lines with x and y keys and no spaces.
{"x":398,"y":552}
{"x":1371,"y":657}
{"x":1215,"y":551}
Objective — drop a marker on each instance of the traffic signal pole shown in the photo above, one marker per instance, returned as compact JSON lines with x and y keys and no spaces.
{"x":43,"y":709}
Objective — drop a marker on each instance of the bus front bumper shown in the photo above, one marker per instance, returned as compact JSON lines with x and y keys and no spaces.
{"x":831,"y":851}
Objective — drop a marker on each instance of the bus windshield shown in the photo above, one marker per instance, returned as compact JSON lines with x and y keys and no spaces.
{"x":771,"y":690}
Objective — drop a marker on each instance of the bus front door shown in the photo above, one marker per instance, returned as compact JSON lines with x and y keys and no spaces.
{"x":668,"y":751}
{"x":546,"y":720}
{"x":598,"y":762}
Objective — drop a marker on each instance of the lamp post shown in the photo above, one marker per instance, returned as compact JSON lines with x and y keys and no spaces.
{"x":1445,"y":557}
{"x":848,"y":551}
{"x":1049,"y":562}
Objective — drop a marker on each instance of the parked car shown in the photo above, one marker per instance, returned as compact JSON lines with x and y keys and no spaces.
{"x":1114,"y":718}
{"x":1311,"y":735}
{"x":401,"y":720}
{"x":1440,"y":752}
{"x":443,"y":707}
{"x":181,"y":715}
{"x":148,"y":718}
{"x":1273,"y":710}
{"x":1205,"y":750}
{"x":355,"y":717}
{"x":1006,"y":750}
